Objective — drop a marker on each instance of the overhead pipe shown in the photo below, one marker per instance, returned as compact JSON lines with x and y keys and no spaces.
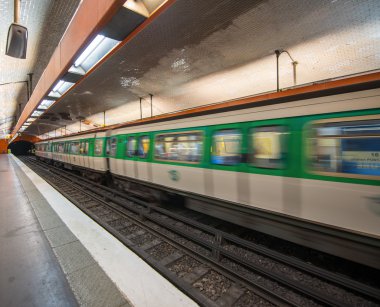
{"x":151,"y":105}
{"x":30,"y":75}
{"x":278,"y":52}
{"x":16,"y":12}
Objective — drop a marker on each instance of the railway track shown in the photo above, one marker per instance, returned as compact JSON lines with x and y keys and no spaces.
{"x":213,"y":267}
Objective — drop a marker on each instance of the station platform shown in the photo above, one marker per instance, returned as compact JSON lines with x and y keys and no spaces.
{"x":51,"y":254}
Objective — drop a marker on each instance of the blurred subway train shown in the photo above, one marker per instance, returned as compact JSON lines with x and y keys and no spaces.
{"x":280,"y":168}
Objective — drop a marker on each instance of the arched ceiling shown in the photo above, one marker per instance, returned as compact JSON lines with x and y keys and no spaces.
{"x":46,"y":21}
{"x":202,"y":52}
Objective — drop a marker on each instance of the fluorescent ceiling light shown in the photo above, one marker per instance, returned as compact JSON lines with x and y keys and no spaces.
{"x":45,"y":104}
{"x":91,"y":47}
{"x":54,"y":94}
{"x":60,"y":88}
{"x":58,"y":85}
{"x":96,"y":50}
{"x":37,"y":113}
{"x":30,"y":120}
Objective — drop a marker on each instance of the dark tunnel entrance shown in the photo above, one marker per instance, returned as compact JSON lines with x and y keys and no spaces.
{"x":21,"y":148}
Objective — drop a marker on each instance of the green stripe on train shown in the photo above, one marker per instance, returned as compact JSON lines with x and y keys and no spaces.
{"x":296,"y":161}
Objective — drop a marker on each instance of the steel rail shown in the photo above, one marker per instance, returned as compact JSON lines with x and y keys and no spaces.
{"x":338,"y":279}
{"x":217,"y":249}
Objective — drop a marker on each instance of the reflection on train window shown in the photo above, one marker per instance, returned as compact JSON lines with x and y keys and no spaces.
{"x":74,"y":148}
{"x":82,"y":148}
{"x":226,"y":147}
{"x":131,"y":147}
{"x":85,"y":148}
{"x":348,"y":147}
{"x":61,"y":147}
{"x":98,"y":147}
{"x":143,"y":148}
{"x":113,"y":147}
{"x":183,"y":147}
{"x":268,"y":147}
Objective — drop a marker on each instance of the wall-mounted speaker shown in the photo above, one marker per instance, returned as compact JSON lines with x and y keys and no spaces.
{"x":17,"y":41}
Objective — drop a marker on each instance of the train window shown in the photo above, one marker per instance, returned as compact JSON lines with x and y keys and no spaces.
{"x":98,"y":147}
{"x":84,"y":148}
{"x":74,"y":148}
{"x":350,"y":147}
{"x":113,"y":147}
{"x":184,"y":147}
{"x":61,"y":147}
{"x":268,"y":147}
{"x":226,"y":147}
{"x":131,"y":147}
{"x":143,"y":147}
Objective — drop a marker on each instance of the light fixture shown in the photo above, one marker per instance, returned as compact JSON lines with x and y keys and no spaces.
{"x":91,"y":47}
{"x":30,"y":120}
{"x":58,"y":85}
{"x":45,"y":104}
{"x":36,"y":113}
{"x":60,"y":88}
{"x":94,"y":52}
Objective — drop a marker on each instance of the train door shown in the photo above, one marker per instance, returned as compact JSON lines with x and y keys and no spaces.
{"x":100,"y":158}
{"x":75,"y":153}
{"x":67,"y":147}
{"x":268,"y":164}
{"x":112,"y":154}
{"x":120,"y":155}
{"x":143,"y":166}
{"x":226,"y":161}
{"x":131,"y":156}
{"x":180,"y":158}
{"x":81,"y":153}
{"x":90,"y":153}
{"x":85,"y":154}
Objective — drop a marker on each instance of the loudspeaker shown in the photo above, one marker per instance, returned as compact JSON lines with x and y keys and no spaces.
{"x":17,"y":41}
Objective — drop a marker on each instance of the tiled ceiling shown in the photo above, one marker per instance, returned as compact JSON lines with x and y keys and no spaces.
{"x":200,"y":52}
{"x":46,"y":21}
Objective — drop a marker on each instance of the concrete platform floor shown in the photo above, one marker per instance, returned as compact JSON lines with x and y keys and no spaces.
{"x":100,"y":270}
{"x":41,"y":262}
{"x":30,"y":274}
